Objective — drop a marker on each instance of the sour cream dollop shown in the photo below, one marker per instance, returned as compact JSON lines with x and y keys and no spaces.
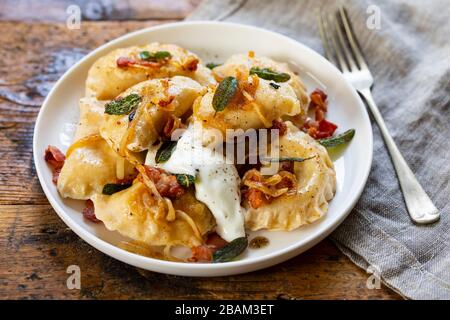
{"x":216,"y":184}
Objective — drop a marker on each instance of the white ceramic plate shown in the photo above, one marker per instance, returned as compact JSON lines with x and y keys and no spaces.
{"x":214,"y":41}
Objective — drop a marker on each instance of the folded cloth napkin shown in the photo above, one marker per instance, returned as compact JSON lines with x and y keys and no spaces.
{"x":409,"y":56}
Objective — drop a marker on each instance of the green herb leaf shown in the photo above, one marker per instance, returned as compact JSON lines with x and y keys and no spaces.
{"x":161,"y":55}
{"x":225,"y":92}
{"x":212,"y":65}
{"x":186,"y":180}
{"x":111,"y":188}
{"x":231,"y":250}
{"x":268,"y":74}
{"x":339,"y":139}
{"x":123,"y":105}
{"x":281,"y":159}
{"x":165,"y":151}
{"x":144,"y":55}
{"x":158,"y":55}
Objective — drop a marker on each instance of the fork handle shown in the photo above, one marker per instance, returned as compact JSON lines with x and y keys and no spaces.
{"x":420,"y":207}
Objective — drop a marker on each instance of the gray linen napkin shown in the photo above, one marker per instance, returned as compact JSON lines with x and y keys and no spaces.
{"x":409,"y":57}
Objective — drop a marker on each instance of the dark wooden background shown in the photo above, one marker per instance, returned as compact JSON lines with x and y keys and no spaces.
{"x":36,"y":247}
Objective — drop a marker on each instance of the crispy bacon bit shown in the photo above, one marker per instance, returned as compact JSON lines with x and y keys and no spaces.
{"x":165,"y":103}
{"x":204,"y":252}
{"x":166,"y":184}
{"x":55,"y":158}
{"x":215,"y":241}
{"x":285,"y":183}
{"x":326,"y":129}
{"x":89,"y":212}
{"x":172,"y":124}
{"x":260,"y":190}
{"x":153,"y":173}
{"x":319,"y":97}
{"x":319,"y":128}
{"x":123,"y":62}
{"x":280,"y":125}
{"x":255,"y":198}
{"x":192,"y":65}
{"x":169,"y":187}
{"x":318,"y":103}
{"x":201,"y":254}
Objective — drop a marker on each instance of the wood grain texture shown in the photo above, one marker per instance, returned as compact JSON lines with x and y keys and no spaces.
{"x":95,"y":10}
{"x":36,"y":247}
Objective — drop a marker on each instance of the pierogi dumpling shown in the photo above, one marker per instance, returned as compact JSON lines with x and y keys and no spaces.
{"x":265,"y":105}
{"x":90,"y":164}
{"x":316,"y":185}
{"x":106,"y":80}
{"x":160,"y":98}
{"x":258,"y":101}
{"x":242,"y":63}
{"x":135,"y":213}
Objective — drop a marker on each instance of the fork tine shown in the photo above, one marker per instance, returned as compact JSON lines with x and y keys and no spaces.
{"x":324,"y":37}
{"x":343,"y":44}
{"x":351,"y":38}
{"x":331,"y":33}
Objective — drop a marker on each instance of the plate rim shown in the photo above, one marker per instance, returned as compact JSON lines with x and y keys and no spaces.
{"x":196,"y":269}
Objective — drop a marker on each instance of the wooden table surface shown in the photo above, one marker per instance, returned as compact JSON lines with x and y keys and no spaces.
{"x":37,"y":247}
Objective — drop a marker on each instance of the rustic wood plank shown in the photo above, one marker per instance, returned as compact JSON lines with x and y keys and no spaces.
{"x":24,"y":90}
{"x":44,"y":51}
{"x":95,"y":10}
{"x":37,"y":247}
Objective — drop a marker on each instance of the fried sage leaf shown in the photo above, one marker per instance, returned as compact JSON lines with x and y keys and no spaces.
{"x":342,"y":138}
{"x":165,"y":151}
{"x":123,"y":105}
{"x":212,"y":65}
{"x":269,"y":74}
{"x":225,"y":92}
{"x":111,"y":188}
{"x":231,"y":250}
{"x":186,"y":180}
{"x":158,"y":55}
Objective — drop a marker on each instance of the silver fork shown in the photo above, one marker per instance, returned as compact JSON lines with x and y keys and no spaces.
{"x":344,"y":48}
